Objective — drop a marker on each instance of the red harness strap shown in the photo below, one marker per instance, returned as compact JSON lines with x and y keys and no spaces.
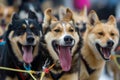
{"x":1,"y":40}
{"x":22,"y":76}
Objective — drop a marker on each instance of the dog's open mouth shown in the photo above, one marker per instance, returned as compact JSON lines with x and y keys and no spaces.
{"x":27,"y":52}
{"x":64,"y":54}
{"x":3,"y":25}
{"x":104,"y":51}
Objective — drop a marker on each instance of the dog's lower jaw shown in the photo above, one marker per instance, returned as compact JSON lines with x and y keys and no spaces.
{"x":104,"y":52}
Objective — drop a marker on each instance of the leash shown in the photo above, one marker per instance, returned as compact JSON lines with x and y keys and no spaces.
{"x":45,"y":69}
{"x":31,"y":72}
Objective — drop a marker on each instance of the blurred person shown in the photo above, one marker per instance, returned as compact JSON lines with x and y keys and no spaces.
{"x":79,"y":4}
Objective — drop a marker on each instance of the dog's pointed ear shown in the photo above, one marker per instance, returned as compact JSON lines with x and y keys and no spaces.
{"x":15,"y":17}
{"x":48,"y":19}
{"x":69,"y":15}
{"x":111,"y":20}
{"x":93,"y":18}
{"x":32,"y":15}
{"x":83,"y":12}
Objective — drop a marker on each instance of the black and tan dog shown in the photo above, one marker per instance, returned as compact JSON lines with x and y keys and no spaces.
{"x":61,"y":43}
{"x":21,"y":48}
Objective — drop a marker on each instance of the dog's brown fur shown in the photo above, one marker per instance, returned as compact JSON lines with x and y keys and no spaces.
{"x":6,"y":13}
{"x":112,"y":67}
{"x":56,"y":30}
{"x":99,"y":32}
{"x":80,"y":19}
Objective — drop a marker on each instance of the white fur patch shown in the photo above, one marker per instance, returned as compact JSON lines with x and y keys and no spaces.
{"x":32,"y":8}
{"x":62,"y":42}
{"x":23,"y":15}
{"x":5,"y":12}
{"x":62,"y":37}
{"x":27,"y":22}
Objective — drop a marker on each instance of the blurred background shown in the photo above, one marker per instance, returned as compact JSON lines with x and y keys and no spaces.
{"x":104,"y":8}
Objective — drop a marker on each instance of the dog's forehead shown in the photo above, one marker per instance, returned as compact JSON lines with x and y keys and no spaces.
{"x":29,"y":22}
{"x":62,"y":24}
{"x":25,"y":22}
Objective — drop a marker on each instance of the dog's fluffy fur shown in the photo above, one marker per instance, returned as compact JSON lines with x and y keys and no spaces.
{"x":100,"y":40}
{"x":22,"y":41}
{"x":55,"y":35}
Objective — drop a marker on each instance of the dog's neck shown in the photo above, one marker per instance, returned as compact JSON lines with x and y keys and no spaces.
{"x":90,"y":58}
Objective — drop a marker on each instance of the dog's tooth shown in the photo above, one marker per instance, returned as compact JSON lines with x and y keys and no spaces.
{"x":58,"y":50}
{"x":22,"y":48}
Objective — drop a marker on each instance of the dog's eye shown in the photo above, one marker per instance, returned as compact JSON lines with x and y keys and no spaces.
{"x":71,"y":30}
{"x":8,"y":15}
{"x":19,"y":31}
{"x":101,"y":33}
{"x":35,"y":30}
{"x":32,"y":28}
{"x":112,"y":34}
{"x":57,"y":30}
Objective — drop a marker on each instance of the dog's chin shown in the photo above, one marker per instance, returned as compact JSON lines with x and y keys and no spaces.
{"x":105,"y":52}
{"x":26,"y":52}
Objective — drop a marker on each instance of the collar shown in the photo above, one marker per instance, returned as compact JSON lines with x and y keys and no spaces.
{"x":21,"y":75}
{"x":2,"y":42}
{"x":89,"y":69}
{"x":56,"y":76}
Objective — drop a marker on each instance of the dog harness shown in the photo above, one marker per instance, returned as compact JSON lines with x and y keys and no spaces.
{"x":56,"y":76}
{"x":89,"y":69}
{"x":21,"y":75}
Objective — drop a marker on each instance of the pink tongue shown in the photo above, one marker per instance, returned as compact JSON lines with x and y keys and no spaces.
{"x":3,"y":27}
{"x":106,"y":52}
{"x":65,"y":58}
{"x":27,"y":54}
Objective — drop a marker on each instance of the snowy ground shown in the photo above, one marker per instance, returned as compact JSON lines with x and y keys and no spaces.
{"x":105,"y":77}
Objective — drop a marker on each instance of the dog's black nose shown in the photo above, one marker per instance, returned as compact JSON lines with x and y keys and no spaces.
{"x":84,"y":24}
{"x":110,"y":43}
{"x":68,"y":39}
{"x":30,"y":39}
{"x":83,"y":28}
